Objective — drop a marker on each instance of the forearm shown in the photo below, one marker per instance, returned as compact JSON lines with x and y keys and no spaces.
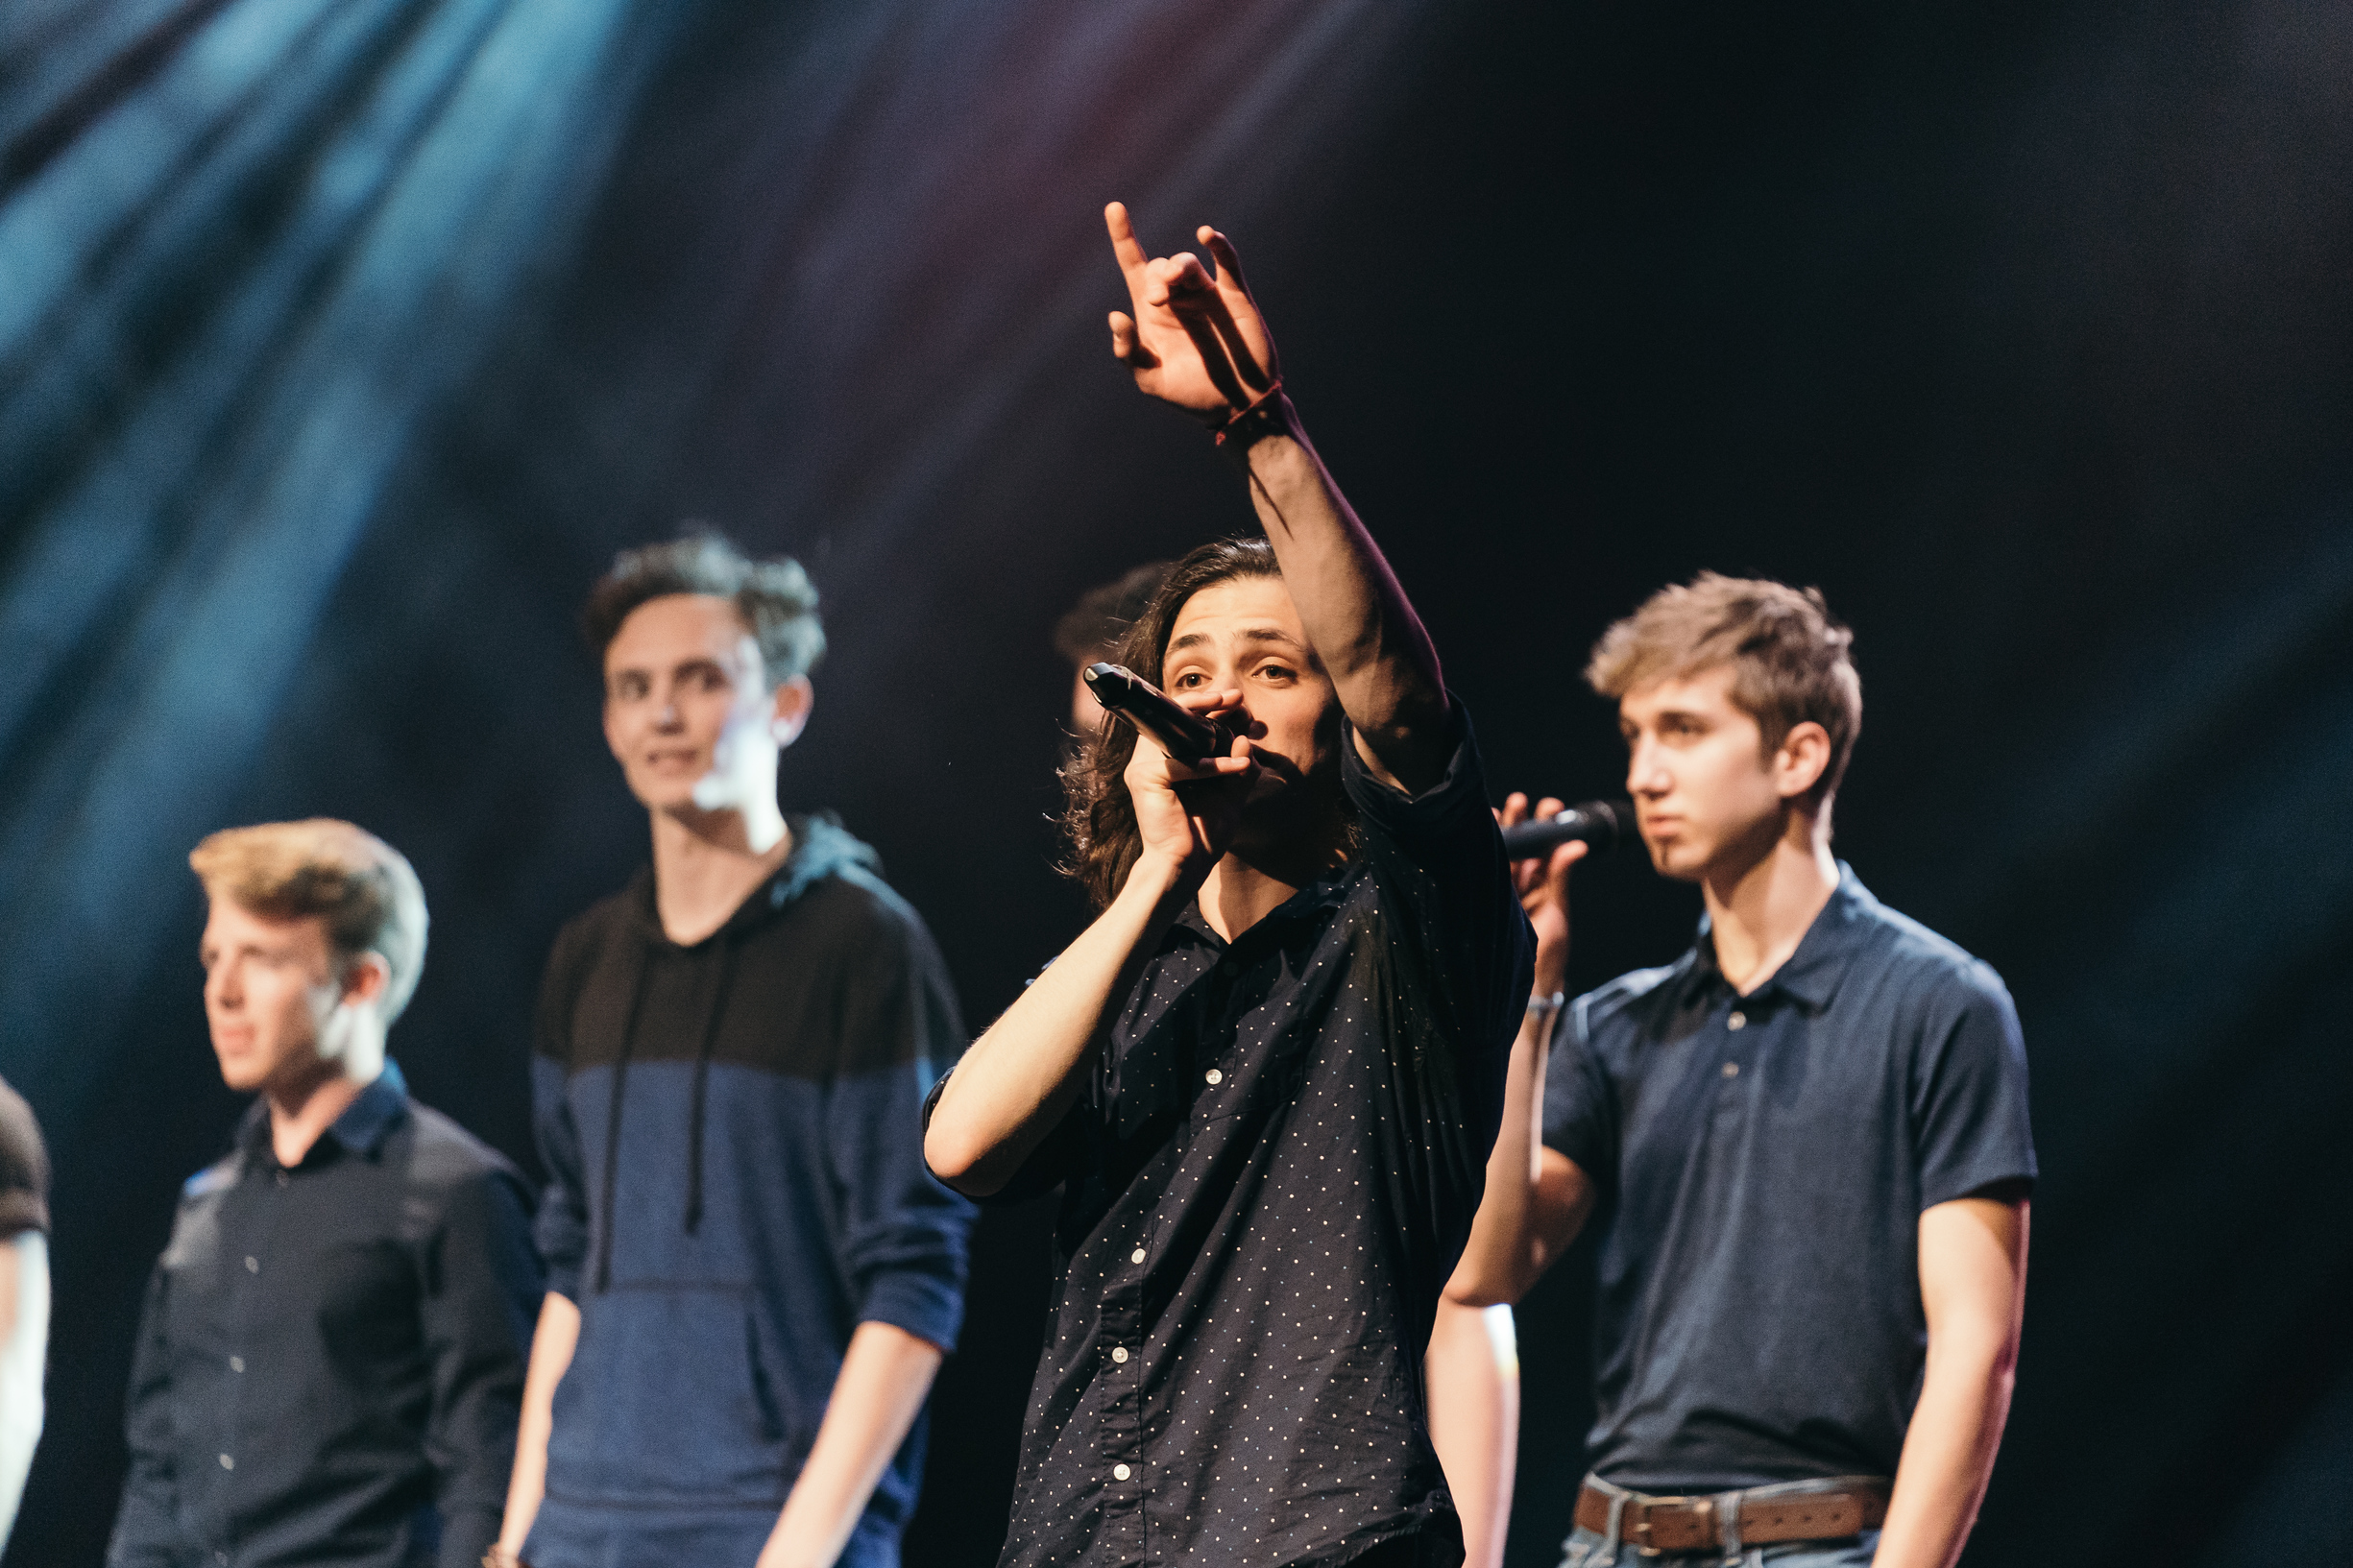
{"x":1472,"y":1373}
{"x":1362,"y":626}
{"x":1947,"y":1455}
{"x":885,"y":1377}
{"x":552,"y":1343}
{"x":1018,"y":1079}
{"x":1503,"y":1256}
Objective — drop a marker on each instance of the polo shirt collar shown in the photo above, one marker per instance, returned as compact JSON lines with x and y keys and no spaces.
{"x":1811,"y":975}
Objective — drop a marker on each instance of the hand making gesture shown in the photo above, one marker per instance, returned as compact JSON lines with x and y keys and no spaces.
{"x":1196,"y":339}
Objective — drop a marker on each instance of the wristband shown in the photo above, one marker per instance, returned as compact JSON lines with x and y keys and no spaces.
{"x":1259,"y":417}
{"x":1547,"y":1006}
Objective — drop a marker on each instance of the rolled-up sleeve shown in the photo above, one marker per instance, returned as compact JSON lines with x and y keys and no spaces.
{"x":561,"y":1227}
{"x":903,"y":1234}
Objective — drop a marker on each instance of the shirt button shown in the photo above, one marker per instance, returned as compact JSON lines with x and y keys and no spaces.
{"x":1214,"y":1075}
{"x":1738,"y":1021}
{"x":252,"y":1264}
{"x":1118,"y":1353}
{"x":228,"y":1463}
{"x":1732,"y":1070}
{"x":220,"y":1556}
{"x":1119,"y":1472}
{"x":236,"y":1363}
{"x":1137,"y":1256}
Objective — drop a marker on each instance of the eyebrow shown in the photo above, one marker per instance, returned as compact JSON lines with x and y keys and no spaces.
{"x":684,"y":666}
{"x":1252,"y":634}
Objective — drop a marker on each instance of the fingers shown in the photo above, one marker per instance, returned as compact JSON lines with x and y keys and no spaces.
{"x":1229,"y":261}
{"x":1178,"y":282}
{"x":1124,"y":246}
{"x":1125,"y":346}
{"x":1515,"y":810}
{"x":1216,"y":363}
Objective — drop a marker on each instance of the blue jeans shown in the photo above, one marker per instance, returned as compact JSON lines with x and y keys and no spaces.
{"x":1583,"y":1551}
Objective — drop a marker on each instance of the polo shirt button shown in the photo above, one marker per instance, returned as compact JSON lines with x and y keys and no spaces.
{"x":220,"y":1556}
{"x":1738,"y":1021}
{"x":236,"y":1363}
{"x":252,"y":1264}
{"x":228,"y":1463}
{"x":1214,"y":1075}
{"x":1118,"y":1353}
{"x":284,"y":1178}
{"x":1732,"y":1070}
{"x":1137,"y":1256}
{"x":1119,"y":1472}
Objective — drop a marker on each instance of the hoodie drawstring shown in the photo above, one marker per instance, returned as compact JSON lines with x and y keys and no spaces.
{"x":603,"y":1276}
{"x":702,"y":1076}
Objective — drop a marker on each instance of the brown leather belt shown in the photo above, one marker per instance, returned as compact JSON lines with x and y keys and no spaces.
{"x":1650,"y":1524}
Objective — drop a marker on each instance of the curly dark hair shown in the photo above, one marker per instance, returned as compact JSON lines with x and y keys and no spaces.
{"x":775,"y":597}
{"x":1098,"y":815}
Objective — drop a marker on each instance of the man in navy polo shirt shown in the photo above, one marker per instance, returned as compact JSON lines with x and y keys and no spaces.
{"x":1806,"y":1138}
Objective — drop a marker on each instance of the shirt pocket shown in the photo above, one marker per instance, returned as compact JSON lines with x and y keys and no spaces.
{"x":663,"y":1403}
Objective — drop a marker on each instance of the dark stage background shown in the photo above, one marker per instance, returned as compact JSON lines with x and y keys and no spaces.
{"x":342,"y":341}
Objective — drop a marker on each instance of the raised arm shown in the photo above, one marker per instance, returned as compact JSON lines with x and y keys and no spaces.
{"x":1196,"y":340}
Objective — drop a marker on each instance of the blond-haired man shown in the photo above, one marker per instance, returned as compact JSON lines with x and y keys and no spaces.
{"x":330,"y":1362}
{"x":1807,"y":1137}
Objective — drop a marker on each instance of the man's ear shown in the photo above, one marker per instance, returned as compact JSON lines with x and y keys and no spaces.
{"x":789,"y":715}
{"x":367,"y":978}
{"x":1798,"y":766}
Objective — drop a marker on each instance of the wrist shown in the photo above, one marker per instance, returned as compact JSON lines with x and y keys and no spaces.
{"x":1270,"y":414}
{"x":1160,"y":877}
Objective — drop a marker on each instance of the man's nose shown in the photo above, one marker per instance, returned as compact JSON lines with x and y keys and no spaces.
{"x":1643,"y":774}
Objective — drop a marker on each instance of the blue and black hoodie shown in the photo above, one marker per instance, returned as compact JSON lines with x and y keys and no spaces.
{"x":736,"y":1182}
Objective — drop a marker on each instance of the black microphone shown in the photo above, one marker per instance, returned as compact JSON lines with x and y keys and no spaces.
{"x":1188,"y":737}
{"x":1603,"y":824}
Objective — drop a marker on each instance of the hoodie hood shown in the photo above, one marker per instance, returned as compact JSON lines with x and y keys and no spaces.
{"x":821,"y":848}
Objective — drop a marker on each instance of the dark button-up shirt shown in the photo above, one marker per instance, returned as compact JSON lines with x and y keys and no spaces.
{"x":331,"y":1363}
{"x":1265,"y":1190}
{"x":1764,"y":1159}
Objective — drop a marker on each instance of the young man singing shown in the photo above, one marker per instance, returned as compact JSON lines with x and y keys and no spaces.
{"x":1806,"y":1138}
{"x":1268,"y":1074}
{"x":331,"y":1358}
{"x":751,"y":1278}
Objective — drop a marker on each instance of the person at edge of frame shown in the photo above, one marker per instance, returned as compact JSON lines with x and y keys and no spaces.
{"x":751,"y":1277}
{"x":1471,"y":1368}
{"x":24,"y":1296}
{"x":1805,"y":1139}
{"x":1267,"y":1074}
{"x":330,"y":1364}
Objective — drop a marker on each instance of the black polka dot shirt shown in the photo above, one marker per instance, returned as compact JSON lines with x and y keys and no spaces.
{"x":1263,"y":1193}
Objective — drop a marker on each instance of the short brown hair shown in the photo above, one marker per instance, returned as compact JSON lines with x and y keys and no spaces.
{"x":775,"y":599}
{"x":362,"y":886}
{"x":1790,"y":658}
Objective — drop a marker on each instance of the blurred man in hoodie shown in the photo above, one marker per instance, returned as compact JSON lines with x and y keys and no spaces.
{"x":751,"y":1276}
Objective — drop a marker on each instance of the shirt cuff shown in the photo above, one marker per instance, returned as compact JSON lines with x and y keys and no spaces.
{"x":925,"y":1306}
